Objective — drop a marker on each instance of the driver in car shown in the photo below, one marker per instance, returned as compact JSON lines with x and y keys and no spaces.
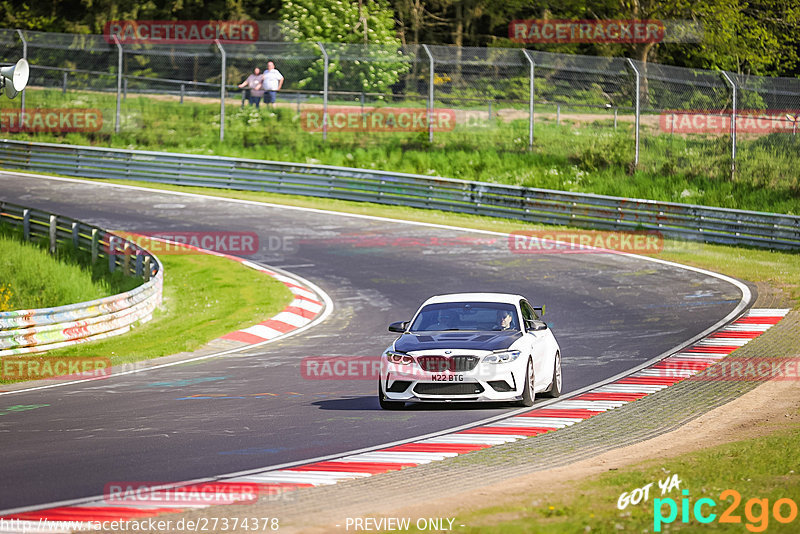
{"x":505,"y":321}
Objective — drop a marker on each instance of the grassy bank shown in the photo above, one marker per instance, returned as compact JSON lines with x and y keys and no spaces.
{"x":583,"y":153}
{"x":765,"y":469}
{"x":33,"y":278}
{"x":204,"y":297}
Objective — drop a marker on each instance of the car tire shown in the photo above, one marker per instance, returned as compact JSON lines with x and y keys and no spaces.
{"x":528,"y":394}
{"x":555,"y":386}
{"x":387,"y":404}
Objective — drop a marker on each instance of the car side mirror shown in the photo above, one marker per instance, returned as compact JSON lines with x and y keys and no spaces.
{"x":398,"y":327}
{"x":535,"y":325}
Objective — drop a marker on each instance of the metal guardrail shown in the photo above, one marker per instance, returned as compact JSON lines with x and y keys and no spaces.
{"x":683,"y":221}
{"x":27,"y":331}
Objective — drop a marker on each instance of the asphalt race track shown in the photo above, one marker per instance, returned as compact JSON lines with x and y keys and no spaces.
{"x":609,"y":312}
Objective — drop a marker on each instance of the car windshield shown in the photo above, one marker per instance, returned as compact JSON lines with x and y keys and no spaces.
{"x":466,"y":316}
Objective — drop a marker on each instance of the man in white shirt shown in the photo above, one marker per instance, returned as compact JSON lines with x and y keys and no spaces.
{"x":273,"y":82}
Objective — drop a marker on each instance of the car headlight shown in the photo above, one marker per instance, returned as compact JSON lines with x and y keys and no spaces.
{"x":399,"y":357}
{"x":505,"y":356}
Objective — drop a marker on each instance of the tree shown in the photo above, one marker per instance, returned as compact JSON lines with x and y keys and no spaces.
{"x":370,"y":68}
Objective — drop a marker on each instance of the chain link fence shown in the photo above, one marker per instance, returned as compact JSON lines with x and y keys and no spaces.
{"x":613,"y":111}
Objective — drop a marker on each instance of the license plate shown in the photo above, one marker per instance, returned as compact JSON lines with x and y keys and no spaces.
{"x":447,"y":378}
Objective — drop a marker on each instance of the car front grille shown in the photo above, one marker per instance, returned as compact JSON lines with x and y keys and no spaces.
{"x":454,"y":364}
{"x":463,"y":388}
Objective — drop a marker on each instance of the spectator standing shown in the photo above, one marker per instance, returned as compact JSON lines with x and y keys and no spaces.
{"x":256,"y":84}
{"x":273,"y":82}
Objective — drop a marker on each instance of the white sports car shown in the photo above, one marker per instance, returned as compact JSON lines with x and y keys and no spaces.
{"x":471,"y":347}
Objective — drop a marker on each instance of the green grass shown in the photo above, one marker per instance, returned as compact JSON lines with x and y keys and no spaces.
{"x":762,"y":468}
{"x":205,"y":297}
{"x":33,"y":278}
{"x":588,"y":157}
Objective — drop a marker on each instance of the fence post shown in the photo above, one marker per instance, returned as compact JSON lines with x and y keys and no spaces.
{"x":53,"y":233}
{"x":733,"y":122}
{"x":430,"y":93}
{"x":636,"y":122}
{"x":95,"y":244}
{"x":325,"y":62}
{"x":25,"y":57}
{"x":64,"y":84}
{"x":222,"y":90}
{"x":183,"y":90}
{"x":76,"y":238}
{"x":532,"y":94}
{"x":112,"y":252}
{"x":26,"y":224}
{"x":126,"y":260}
{"x":119,"y":82}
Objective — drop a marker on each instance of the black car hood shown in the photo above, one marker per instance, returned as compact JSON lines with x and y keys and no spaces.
{"x":456,"y":340}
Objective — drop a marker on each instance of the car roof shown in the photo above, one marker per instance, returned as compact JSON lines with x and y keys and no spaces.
{"x":507,"y":298}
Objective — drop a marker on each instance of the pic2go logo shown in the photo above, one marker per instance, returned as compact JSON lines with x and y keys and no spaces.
{"x":756,"y":511}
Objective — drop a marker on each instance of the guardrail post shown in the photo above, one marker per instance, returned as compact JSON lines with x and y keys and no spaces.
{"x":531,"y":95}
{"x":636,"y":122}
{"x":222,"y":90}
{"x":139,"y":263}
{"x":733,"y":122}
{"x":325,"y":63}
{"x":95,"y":244}
{"x":148,"y":270}
{"x":430,"y":92}
{"x":119,"y":82}
{"x":126,"y":260}
{"x":53,"y":233}
{"x":112,"y":252}
{"x":26,"y":224}
{"x":76,"y":238}
{"x":24,"y":56}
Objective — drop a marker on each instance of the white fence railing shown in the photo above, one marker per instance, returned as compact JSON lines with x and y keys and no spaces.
{"x":672,"y":219}
{"x":28,"y":331}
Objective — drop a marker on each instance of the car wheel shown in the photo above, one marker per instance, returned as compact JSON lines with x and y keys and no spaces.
{"x":387,"y":404}
{"x":555,"y":386}
{"x":528,"y":394}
